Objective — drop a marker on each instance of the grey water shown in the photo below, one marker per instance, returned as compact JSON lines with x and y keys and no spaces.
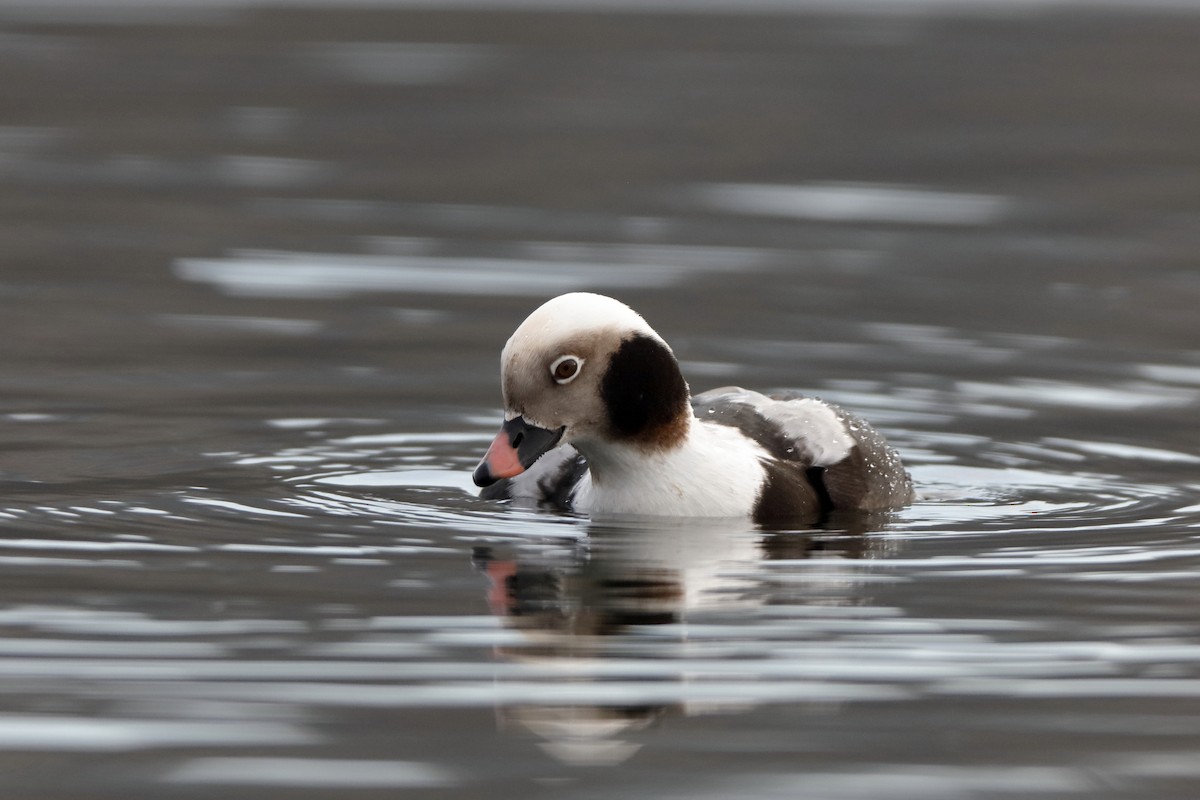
{"x":256,"y":266}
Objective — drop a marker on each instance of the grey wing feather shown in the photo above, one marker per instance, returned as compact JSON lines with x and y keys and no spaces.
{"x":857,"y":467}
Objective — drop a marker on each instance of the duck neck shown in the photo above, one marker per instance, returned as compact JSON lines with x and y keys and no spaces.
{"x":611,"y":460}
{"x":705,"y":473}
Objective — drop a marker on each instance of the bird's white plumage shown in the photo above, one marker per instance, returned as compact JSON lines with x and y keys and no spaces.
{"x":575,"y":314}
{"x":714,"y":472}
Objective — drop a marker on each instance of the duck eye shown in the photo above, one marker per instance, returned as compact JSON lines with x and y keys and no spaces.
{"x":566,"y":368}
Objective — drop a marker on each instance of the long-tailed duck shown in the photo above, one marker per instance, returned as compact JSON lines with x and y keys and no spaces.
{"x":598,"y":419}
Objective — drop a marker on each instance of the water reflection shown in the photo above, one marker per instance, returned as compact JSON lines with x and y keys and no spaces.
{"x":433,"y":267}
{"x":635,"y":628}
{"x":856,"y":203}
{"x":619,"y":626}
{"x":254,"y":300}
{"x":402,"y":63}
{"x":311,"y":773}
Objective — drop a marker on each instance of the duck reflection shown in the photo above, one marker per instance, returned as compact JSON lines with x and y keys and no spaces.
{"x":621,"y":609}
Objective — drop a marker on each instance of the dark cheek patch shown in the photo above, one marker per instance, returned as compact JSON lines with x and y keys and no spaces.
{"x":644,"y":393}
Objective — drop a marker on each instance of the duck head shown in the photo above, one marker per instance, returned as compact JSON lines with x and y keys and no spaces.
{"x":585,"y":370}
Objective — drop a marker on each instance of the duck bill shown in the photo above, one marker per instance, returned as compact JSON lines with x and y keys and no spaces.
{"x":515,"y":448}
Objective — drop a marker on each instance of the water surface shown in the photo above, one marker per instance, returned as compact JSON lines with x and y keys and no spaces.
{"x":257,"y":270}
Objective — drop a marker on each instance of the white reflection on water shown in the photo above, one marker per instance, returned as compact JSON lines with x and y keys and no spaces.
{"x":273,"y":326}
{"x":268,"y":172}
{"x":310,"y":773}
{"x":475,"y":520}
{"x":241,"y":508}
{"x":940,"y":405}
{"x":919,"y":782}
{"x":150,"y":11}
{"x":525,"y":268}
{"x":302,"y":423}
{"x":423,"y":438}
{"x":261,"y":123}
{"x":133,"y":169}
{"x":853,"y":202}
{"x":404,"y":63}
{"x":446,"y":478}
{"x":1126,"y":451}
{"x":315,"y":275}
{"x":1170,"y":373}
{"x":132,"y":624}
{"x":29,"y":732}
{"x":944,"y":342}
{"x":22,"y":140}
{"x":513,"y":220}
{"x":92,"y":546}
{"x":1127,"y":396}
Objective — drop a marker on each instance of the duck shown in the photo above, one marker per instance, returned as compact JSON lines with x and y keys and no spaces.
{"x":599,"y":420}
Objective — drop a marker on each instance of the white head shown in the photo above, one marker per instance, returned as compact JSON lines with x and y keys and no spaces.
{"x":588,"y":370}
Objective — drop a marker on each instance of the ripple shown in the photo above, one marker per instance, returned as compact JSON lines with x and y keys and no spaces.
{"x":404,"y":63}
{"x":408,"y":479}
{"x":1171,"y":373}
{"x":847,"y":202}
{"x":927,"y":782}
{"x":87,"y":734}
{"x":59,"y":620}
{"x":443,"y":478}
{"x":258,"y":273}
{"x":239,"y":508}
{"x":1130,"y":396}
{"x":968,"y":482}
{"x":444,"y":517}
{"x":1126,"y":451}
{"x":308,"y":773}
{"x":265,"y":325}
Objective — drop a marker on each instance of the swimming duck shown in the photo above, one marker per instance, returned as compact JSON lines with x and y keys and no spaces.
{"x":599,"y":419}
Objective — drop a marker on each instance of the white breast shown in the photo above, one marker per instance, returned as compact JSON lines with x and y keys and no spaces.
{"x":717,"y":472}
